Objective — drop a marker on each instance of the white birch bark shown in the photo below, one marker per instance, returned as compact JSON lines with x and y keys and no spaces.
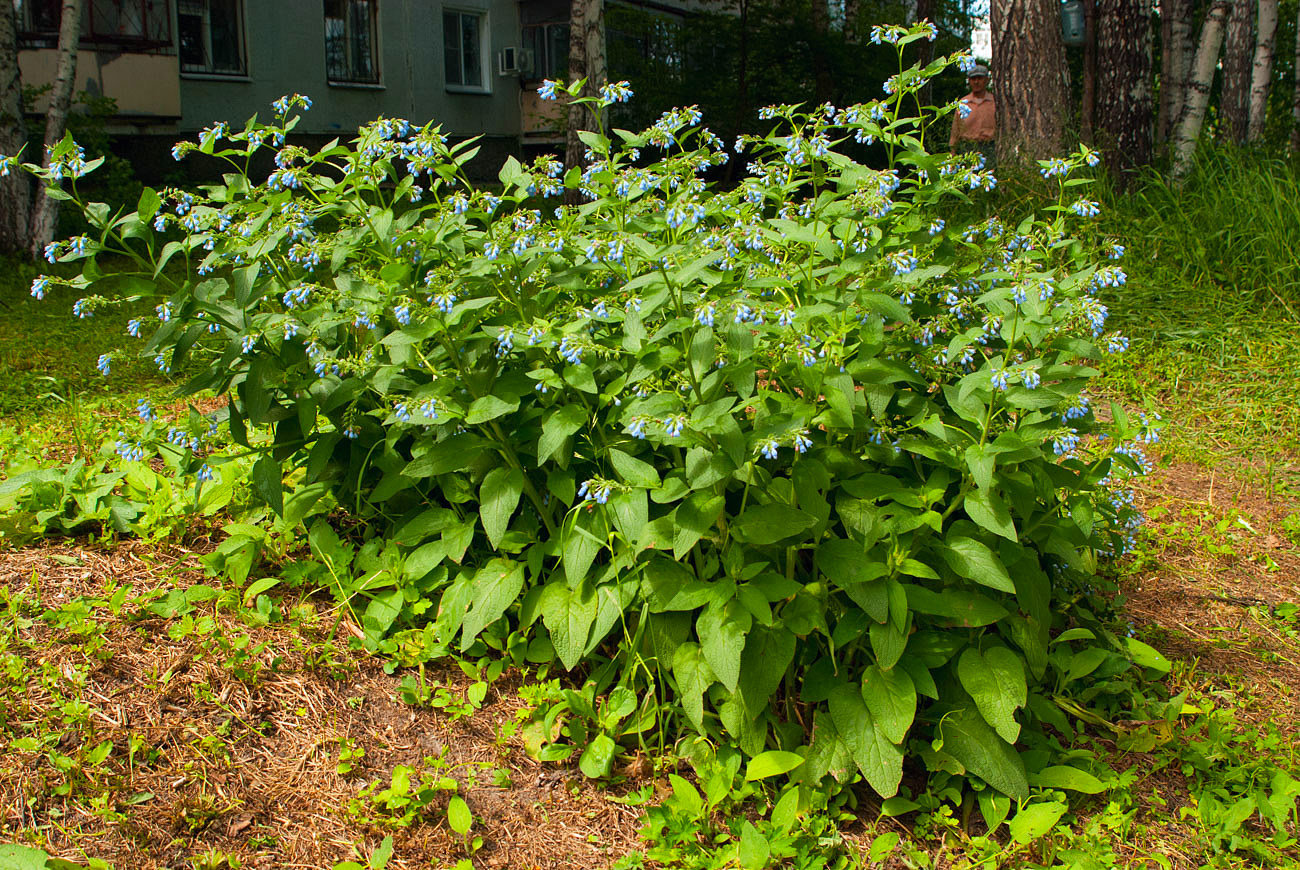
{"x":1198,"y":87}
{"x":1176,"y":61}
{"x":1261,"y":75}
{"x":45,"y":211}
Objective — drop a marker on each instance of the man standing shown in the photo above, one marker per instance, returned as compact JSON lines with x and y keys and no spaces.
{"x":975,"y":124}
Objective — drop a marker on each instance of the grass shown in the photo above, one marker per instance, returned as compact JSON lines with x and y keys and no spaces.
{"x":261,"y":725}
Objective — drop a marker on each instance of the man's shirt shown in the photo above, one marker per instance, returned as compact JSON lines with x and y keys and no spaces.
{"x":980,"y":125}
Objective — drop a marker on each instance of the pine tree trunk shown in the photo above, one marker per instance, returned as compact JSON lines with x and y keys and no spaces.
{"x":1124,"y":101}
{"x":1175,"y":63}
{"x":1295,"y":99}
{"x":1238,"y":49}
{"x":1029,"y":71}
{"x":925,"y":48}
{"x":15,"y":190}
{"x":1198,"y":86}
{"x":45,"y":211}
{"x":593,"y":23}
{"x":1261,"y":75}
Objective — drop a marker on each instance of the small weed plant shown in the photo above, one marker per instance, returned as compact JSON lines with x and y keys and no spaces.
{"x":804,"y":466}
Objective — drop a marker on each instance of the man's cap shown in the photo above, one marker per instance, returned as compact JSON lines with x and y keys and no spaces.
{"x":978,"y":69}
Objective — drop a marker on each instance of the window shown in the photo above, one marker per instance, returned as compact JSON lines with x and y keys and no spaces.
{"x":135,"y":24}
{"x":462,"y":42}
{"x":351,"y":48}
{"x":549,"y":44}
{"x":211,"y":36}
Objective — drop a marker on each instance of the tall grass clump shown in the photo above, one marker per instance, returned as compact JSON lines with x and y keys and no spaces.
{"x":1220,"y":244}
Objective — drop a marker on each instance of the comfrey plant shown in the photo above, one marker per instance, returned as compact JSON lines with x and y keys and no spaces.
{"x":807,"y":464}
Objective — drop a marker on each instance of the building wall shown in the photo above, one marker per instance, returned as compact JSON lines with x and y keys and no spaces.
{"x":286,"y":54}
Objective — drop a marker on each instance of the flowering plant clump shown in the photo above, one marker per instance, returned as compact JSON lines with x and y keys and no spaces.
{"x":806,"y":464}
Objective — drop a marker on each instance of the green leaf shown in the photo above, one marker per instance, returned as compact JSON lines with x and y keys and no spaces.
{"x":964,"y":608}
{"x":996,"y":680}
{"x":1035,"y":821}
{"x":879,"y":759}
{"x":888,"y":643}
{"x":972,"y":560}
{"x":568,"y":615}
{"x":772,"y":763}
{"x":980,"y":462}
{"x":498,"y":498}
{"x":1069,"y":778}
{"x":563,"y":422}
{"x":583,"y":538}
{"x":489,"y":408}
{"x":268,"y":482}
{"x":970,"y":740}
{"x":722,"y":629}
{"x":986,"y":508}
{"x":458,"y":815}
{"x":891,"y":697}
{"x":770,"y":523}
{"x":1147,"y":656}
{"x":694,"y":676}
{"x":598,"y":757}
{"x":692,"y":519}
{"x":753,"y":851}
{"x":496,"y":586}
{"x":15,"y":857}
{"x":633,"y":471}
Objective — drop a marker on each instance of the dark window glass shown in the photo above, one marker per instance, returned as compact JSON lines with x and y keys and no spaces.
{"x":462,"y":45}
{"x":351,"y":54}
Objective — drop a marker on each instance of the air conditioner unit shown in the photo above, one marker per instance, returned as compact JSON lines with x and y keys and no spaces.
{"x":526,"y":63}
{"x":508,"y":61}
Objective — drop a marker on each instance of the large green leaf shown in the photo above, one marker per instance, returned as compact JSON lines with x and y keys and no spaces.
{"x":1035,"y":821}
{"x":970,"y":740}
{"x":584,"y":536}
{"x":722,"y":629}
{"x":957,"y":605}
{"x":694,"y":676}
{"x":568,"y":614}
{"x":496,"y":586}
{"x":879,"y":759}
{"x":498,"y":498}
{"x":769,"y":523}
{"x":774,"y":762}
{"x":1064,"y":777}
{"x":891,"y":697}
{"x":632,"y":470}
{"x":563,"y":422}
{"x":995,"y":678}
{"x":974,"y":561}
{"x":987,"y":508}
{"x":692,"y":519}
{"x":489,"y":408}
{"x":268,"y":482}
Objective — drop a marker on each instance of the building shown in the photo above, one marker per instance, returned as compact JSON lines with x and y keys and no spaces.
{"x":174,"y":67}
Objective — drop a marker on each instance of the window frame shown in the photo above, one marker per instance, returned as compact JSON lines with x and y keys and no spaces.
{"x":241,"y":35}
{"x":376,"y":48}
{"x":32,"y":35}
{"x":484,"y":50}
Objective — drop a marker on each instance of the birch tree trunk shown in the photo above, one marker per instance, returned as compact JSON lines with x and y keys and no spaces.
{"x":1124,"y":100}
{"x":1175,"y":63}
{"x":45,"y":210}
{"x":15,"y":190}
{"x":1238,"y":48}
{"x":1029,"y":73}
{"x":1198,"y":87}
{"x":1295,"y":99}
{"x":1261,"y":75}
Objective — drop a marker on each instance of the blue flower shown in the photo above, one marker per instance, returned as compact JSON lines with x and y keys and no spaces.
{"x":675,"y":425}
{"x":618,"y":92}
{"x":145,"y":410}
{"x":999,"y":378}
{"x":205,"y":473}
{"x":768,"y":448}
{"x":1085,"y":208}
{"x":40,"y":286}
{"x":104,"y":364}
{"x":547,"y":90}
{"x":402,"y":412}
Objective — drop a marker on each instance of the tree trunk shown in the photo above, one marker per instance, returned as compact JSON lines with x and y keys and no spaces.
{"x":1295,"y":99}
{"x":1238,"y":47}
{"x":575,"y":115}
{"x":1198,"y":87}
{"x":45,"y":211}
{"x":1124,"y":83}
{"x":1261,"y":75}
{"x":852,"y":13}
{"x":15,"y":189}
{"x":925,"y":12}
{"x":1029,"y":60}
{"x":1088,"y":109}
{"x":1176,"y":61}
{"x":823,"y":84}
